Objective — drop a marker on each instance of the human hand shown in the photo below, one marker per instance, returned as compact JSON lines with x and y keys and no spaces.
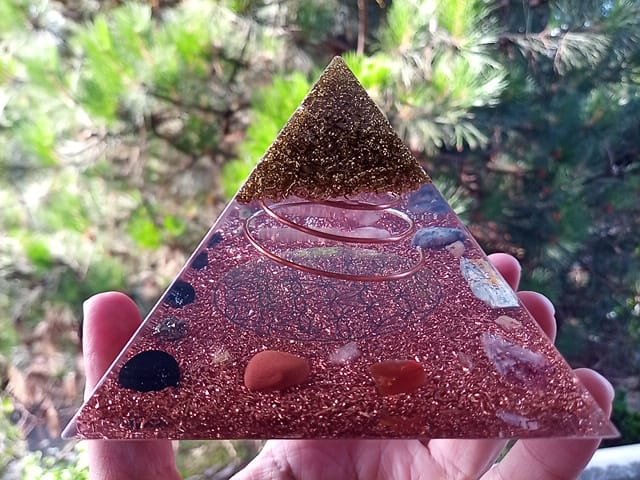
{"x":111,"y":318}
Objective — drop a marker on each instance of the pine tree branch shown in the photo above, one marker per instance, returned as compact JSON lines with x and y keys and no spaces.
{"x":186,"y":105}
{"x":362,"y":26}
{"x":237,"y":65}
{"x":152,"y":122}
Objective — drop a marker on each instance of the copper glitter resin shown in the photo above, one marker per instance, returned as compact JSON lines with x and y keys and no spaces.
{"x":383,"y":316}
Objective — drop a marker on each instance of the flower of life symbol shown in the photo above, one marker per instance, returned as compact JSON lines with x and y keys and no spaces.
{"x":314,"y":291}
{"x":274,"y":300}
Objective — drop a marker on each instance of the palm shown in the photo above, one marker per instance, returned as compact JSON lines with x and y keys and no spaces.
{"x":549,"y":459}
{"x":110,"y":319}
{"x":368,"y":459}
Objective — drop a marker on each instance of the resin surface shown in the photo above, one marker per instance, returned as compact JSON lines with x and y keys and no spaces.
{"x":372,"y":315}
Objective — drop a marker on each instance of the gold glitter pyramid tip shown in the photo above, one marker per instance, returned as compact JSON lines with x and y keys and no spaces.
{"x":337,"y":143}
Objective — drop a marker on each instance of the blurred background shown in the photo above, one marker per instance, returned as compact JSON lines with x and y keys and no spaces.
{"x":125,"y":127}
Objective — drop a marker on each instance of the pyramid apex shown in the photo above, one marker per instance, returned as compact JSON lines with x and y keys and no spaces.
{"x":337,"y":143}
{"x":338,"y":60}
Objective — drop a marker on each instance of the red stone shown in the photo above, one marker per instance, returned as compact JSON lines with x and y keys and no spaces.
{"x":398,"y":376}
{"x":273,"y":370}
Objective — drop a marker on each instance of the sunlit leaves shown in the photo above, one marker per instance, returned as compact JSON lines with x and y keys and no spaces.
{"x":66,"y":210}
{"x":466,"y":82}
{"x":272,"y":107}
{"x":461,"y":19}
{"x":39,"y":139}
{"x":150,"y":232}
{"x":12,"y":16}
{"x":173,"y":226}
{"x":568,"y":50}
{"x":375,"y":72}
{"x":104,"y":78}
{"x":38,"y":252}
{"x":444,"y":69}
{"x":144,"y":231}
{"x":408,"y":23}
{"x":187,"y":32}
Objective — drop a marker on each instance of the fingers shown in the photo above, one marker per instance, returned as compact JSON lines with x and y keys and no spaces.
{"x":508,"y":267}
{"x":474,"y":457}
{"x":471,"y":457}
{"x":538,"y":305}
{"x":541,"y":308}
{"x":553,"y":459}
{"x":110,"y":319}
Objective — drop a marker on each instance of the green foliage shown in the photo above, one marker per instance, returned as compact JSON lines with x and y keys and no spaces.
{"x":195,"y":457}
{"x":102,"y":274}
{"x":38,"y":252}
{"x":272,"y":107}
{"x":8,"y":336}
{"x":66,"y":210}
{"x":443,"y":53}
{"x":314,"y":18}
{"x":39,"y":139}
{"x":11,"y":442}
{"x":125,"y":126}
{"x":150,"y":234}
{"x":113,"y":48}
{"x":144,"y":231}
{"x":407,"y":25}
{"x":374,"y":72}
{"x":47,"y":467}
{"x":173,"y":226}
{"x":464,"y":20}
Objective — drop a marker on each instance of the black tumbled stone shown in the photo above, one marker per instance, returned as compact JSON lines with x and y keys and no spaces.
{"x":200,"y":261}
{"x":215,"y":239}
{"x":180,"y":294}
{"x":150,"y":371}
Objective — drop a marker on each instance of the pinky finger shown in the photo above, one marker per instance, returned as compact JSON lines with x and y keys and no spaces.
{"x":552,"y":459}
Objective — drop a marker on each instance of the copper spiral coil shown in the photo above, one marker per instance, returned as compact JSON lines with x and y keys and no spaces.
{"x":358,"y":205}
{"x":331,"y":236}
{"x":272,"y":212}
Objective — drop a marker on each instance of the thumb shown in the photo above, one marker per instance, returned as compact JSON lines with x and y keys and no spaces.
{"x":110,"y":319}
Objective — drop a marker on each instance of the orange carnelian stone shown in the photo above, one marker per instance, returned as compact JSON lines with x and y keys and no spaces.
{"x":273,"y":370}
{"x":398,"y":376}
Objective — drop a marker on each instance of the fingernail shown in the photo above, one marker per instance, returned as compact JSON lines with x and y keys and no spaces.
{"x":550,"y":303}
{"x":547,"y":301}
{"x":607,"y":383}
{"x":540,"y":296}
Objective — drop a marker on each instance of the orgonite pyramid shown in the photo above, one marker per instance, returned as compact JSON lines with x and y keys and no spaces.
{"x":338,"y":295}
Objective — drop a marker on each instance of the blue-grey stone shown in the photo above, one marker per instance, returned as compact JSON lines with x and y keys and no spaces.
{"x":437,"y":237}
{"x":427,"y":199}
